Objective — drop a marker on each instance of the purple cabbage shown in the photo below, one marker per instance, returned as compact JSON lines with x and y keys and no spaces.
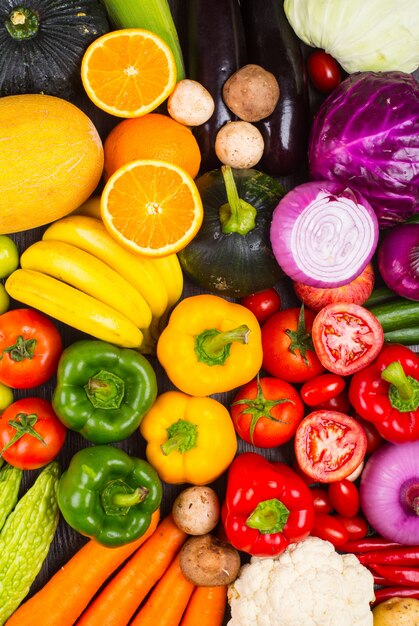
{"x":366,"y":136}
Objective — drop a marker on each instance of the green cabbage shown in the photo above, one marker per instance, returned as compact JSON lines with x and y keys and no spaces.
{"x":362,"y":35}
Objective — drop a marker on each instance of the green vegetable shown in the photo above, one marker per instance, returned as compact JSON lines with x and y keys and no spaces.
{"x":10,"y":479}
{"x":405,"y":336}
{"x":108,"y":495}
{"x":154,"y":15}
{"x":103,"y":391}
{"x":25,"y":539}
{"x":379,"y":296}
{"x":397,"y":314}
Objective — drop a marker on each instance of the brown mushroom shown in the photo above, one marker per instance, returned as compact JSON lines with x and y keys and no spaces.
{"x":207,"y":561}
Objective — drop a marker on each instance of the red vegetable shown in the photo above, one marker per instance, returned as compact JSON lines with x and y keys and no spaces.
{"x":344,"y":497}
{"x":267,"y":506}
{"x":346,"y":338}
{"x":395,"y":592}
{"x":31,"y":435}
{"x":324,"y":71}
{"x":321,"y":500}
{"x":355,"y":526}
{"x":30,"y":347}
{"x":329,"y":528}
{"x":387,"y":393}
{"x":338,"y":403}
{"x":374,"y":439}
{"x":407,"y":576}
{"x":263,"y":304}
{"x":329,"y":445}
{"x":288,"y":351}
{"x":266,"y":412}
{"x":322,"y":388}
{"x":367,"y":544}
{"x":398,"y":555}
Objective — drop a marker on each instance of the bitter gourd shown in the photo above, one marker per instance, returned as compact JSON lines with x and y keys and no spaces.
{"x":10,"y":479}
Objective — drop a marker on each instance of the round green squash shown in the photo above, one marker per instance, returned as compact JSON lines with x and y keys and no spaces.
{"x":231,"y":255}
{"x":42,"y":43}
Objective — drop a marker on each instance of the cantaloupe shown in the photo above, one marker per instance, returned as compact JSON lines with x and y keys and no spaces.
{"x":51,"y":160}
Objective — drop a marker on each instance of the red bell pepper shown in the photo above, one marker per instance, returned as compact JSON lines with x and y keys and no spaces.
{"x":386,"y":393}
{"x":267,"y":506}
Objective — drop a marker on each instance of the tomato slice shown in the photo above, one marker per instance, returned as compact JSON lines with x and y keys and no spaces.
{"x":329,"y":445}
{"x":346,"y":337}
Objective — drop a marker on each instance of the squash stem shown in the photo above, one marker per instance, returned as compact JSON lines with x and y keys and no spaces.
{"x":22,"y":23}
{"x":236,"y":216}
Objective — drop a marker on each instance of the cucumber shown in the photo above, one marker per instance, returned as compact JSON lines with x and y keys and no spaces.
{"x":26,"y":537}
{"x":10,"y":479}
{"x":397,"y":314}
{"x":379,"y":296}
{"x":405,"y":336}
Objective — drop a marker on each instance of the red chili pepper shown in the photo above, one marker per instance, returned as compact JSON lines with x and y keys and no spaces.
{"x":380,"y":580}
{"x":358,"y":546}
{"x":406,"y":576}
{"x":395,"y":592}
{"x":386,"y":393}
{"x":267,"y":506}
{"x":400,"y":555}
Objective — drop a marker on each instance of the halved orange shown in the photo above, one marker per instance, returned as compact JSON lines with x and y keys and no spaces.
{"x":128,"y":72}
{"x":152,"y":207}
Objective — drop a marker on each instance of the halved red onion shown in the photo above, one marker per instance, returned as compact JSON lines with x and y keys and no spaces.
{"x":323,"y":234}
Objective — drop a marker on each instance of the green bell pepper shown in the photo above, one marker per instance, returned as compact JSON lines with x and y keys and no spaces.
{"x":109,"y":496}
{"x":103,"y":391}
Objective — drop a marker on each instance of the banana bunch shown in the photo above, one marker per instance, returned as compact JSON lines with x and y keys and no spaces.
{"x":81,"y":276}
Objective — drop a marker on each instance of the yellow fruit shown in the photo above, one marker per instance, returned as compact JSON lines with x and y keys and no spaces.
{"x":51,"y":160}
{"x":153,"y":136}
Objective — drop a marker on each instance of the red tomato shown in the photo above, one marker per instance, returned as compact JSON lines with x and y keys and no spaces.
{"x":30,"y":347}
{"x":344,"y":497}
{"x":355,"y":526}
{"x":338,"y":403}
{"x":39,"y":433}
{"x":330,"y":528}
{"x":324,"y":71}
{"x":374,"y":439}
{"x":346,"y":337}
{"x":329,"y":445}
{"x":262,"y":304}
{"x":288,"y":351}
{"x":320,"y":500}
{"x":322,"y":388}
{"x":266,"y":412}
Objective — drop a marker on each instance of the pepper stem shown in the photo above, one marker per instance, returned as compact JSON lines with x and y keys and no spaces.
{"x":237,"y":215}
{"x":403,"y":392}
{"x":213,"y":346}
{"x":270,"y":516}
{"x":118,"y":497}
{"x":24,"y":424}
{"x":105,"y":390}
{"x":130,"y":499}
{"x":182,"y":436}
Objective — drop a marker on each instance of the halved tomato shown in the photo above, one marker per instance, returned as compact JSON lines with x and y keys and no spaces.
{"x":346,"y":337}
{"x":329,"y":445}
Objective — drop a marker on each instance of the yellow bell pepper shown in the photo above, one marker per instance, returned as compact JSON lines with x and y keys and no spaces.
{"x":189,"y":439}
{"x":210,"y":345}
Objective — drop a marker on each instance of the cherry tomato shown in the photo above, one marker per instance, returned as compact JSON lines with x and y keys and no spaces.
{"x":321,"y":500}
{"x":31,"y":435}
{"x":262,"y":304}
{"x":346,"y":337}
{"x":374,"y":439}
{"x":322,"y":388}
{"x":344,"y":497}
{"x":324,"y":71}
{"x":288,"y":351}
{"x":329,"y":445}
{"x":9,"y":256}
{"x":266,"y":412}
{"x":338,"y":403}
{"x":330,"y":528}
{"x":355,"y":526}
{"x":30,"y":347}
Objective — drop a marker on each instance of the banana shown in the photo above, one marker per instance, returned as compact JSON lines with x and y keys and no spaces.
{"x":90,"y":235}
{"x":73,"y":307}
{"x":171,"y":272}
{"x":85,"y":272}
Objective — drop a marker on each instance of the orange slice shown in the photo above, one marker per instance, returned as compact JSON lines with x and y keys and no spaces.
{"x":152,"y":207}
{"x":128,"y":72}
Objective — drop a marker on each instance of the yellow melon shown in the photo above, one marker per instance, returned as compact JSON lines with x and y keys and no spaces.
{"x":51,"y":160}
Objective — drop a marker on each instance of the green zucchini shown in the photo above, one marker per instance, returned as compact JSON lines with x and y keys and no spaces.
{"x":379,"y":296}
{"x":397,"y":314}
{"x":10,"y":479}
{"x":25,"y":539}
{"x":405,"y":336}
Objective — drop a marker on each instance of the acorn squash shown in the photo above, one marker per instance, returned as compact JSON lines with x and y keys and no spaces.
{"x":231,"y":255}
{"x":42,"y":43}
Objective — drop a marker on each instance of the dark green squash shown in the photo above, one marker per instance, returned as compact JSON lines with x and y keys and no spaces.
{"x":231,"y":255}
{"x":42,"y":43}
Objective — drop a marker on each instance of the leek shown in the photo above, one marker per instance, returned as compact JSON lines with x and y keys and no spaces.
{"x":153,"y":15}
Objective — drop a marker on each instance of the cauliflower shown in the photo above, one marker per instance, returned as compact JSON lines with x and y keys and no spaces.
{"x":309,"y":584}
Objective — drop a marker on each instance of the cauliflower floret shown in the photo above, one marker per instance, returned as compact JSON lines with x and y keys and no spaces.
{"x":309,"y":584}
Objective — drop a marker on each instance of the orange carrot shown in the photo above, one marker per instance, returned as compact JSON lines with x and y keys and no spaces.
{"x":206,"y":607}
{"x":168,"y":600}
{"x":63,"y":598}
{"x":120,"y":598}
